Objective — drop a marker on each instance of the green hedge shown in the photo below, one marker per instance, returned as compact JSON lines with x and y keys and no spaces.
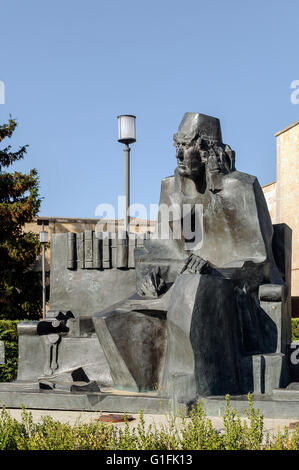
{"x":295,"y":329}
{"x":8,"y":334}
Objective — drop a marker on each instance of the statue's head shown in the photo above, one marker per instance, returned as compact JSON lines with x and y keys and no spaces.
{"x":199,"y":147}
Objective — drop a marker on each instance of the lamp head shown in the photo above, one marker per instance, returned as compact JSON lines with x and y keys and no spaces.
{"x":126,"y":128}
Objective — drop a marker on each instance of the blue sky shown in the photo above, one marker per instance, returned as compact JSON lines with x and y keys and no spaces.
{"x":70,"y":67}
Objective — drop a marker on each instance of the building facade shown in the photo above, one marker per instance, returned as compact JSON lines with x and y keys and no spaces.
{"x":283,"y":196}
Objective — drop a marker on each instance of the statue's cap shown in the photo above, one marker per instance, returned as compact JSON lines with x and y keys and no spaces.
{"x":196,"y":125}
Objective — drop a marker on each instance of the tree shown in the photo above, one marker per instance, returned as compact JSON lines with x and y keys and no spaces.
{"x":20,"y":287}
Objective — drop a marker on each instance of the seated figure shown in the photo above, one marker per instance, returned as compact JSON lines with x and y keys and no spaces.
{"x":197,"y":317}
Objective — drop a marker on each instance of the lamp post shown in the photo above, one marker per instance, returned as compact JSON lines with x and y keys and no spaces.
{"x":43,"y":238}
{"x":126,"y":135}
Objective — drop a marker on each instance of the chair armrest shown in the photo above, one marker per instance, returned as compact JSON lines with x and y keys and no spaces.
{"x":27,"y":328}
{"x":271,"y":292}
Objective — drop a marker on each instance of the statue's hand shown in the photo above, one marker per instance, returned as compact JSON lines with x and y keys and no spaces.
{"x":195,"y":265}
{"x":152,"y":284}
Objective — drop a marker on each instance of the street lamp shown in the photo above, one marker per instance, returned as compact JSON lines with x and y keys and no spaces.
{"x":127,"y":135}
{"x":43,"y":238}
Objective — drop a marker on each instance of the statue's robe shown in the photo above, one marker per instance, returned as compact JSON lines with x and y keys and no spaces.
{"x":236,"y":231}
{"x":210,"y":319}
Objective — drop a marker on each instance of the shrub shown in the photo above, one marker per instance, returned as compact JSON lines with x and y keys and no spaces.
{"x":9,"y":334}
{"x":295,"y":329}
{"x":195,"y":433}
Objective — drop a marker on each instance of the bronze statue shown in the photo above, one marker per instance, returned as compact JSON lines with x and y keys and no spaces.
{"x":199,"y":338}
{"x":201,"y":308}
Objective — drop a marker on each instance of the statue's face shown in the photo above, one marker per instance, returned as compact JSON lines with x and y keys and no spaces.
{"x":189,"y":159}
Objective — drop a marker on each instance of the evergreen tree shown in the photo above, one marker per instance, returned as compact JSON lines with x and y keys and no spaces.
{"x":20,"y":287}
